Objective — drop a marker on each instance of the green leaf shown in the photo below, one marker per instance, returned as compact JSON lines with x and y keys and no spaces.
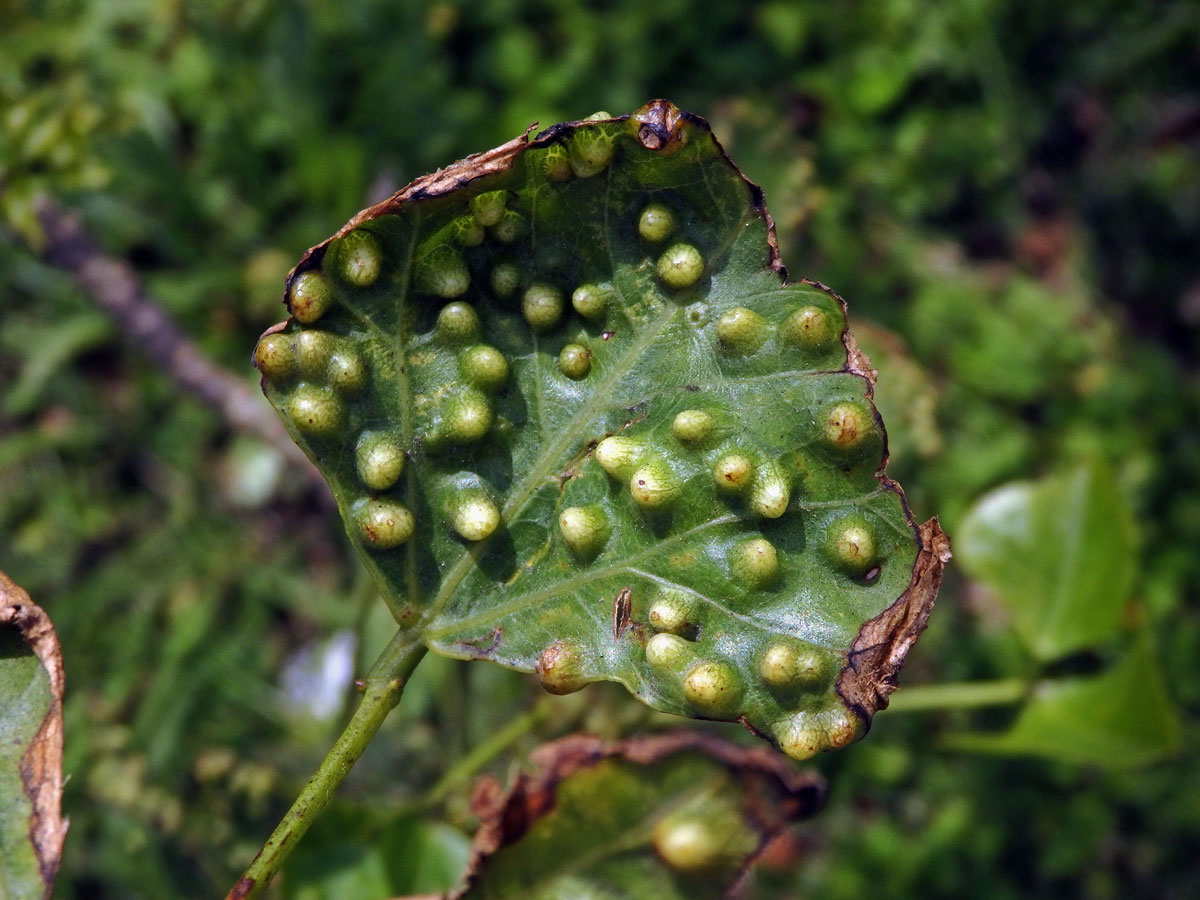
{"x":353,"y":859}
{"x":1121,"y":717}
{"x":31,"y":683}
{"x":672,"y":817}
{"x":579,"y":423}
{"x":1059,"y":553}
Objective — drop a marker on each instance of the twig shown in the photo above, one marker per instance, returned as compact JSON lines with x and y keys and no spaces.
{"x":114,"y":286}
{"x":383,"y":688}
{"x":959,"y":695}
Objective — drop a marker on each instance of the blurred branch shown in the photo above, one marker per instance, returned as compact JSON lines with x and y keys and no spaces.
{"x":484,"y":752}
{"x":959,"y":695}
{"x":114,"y":286}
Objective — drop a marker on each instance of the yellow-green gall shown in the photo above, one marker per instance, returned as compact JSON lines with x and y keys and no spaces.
{"x":755,"y":563}
{"x":695,"y":843}
{"x":274,"y":358}
{"x":742,"y":330}
{"x":575,"y":361}
{"x":842,"y":727}
{"x":809,"y":328}
{"x":770,"y":493}
{"x":556,"y":166}
{"x":799,"y":735}
{"x":713,"y":687}
{"x":457,"y":322}
{"x":590,"y":152}
{"x":667,"y":651}
{"x":489,"y":208}
{"x":542,"y":306}
{"x":847,"y":425}
{"x":790,"y":665}
{"x":510,"y":228}
{"x":380,"y":458}
{"x":680,"y":266}
{"x":560,"y":667}
{"x":316,"y":411}
{"x":599,"y":115}
{"x":310,"y":296}
{"x":584,"y":528}
{"x":484,"y":366}
{"x":618,"y":455}
{"x":656,"y":223}
{"x":466,"y":231}
{"x":806,"y":733}
{"x":382,"y":524}
{"x":361,"y":258}
{"x":673,"y":611}
{"x":692,"y":426}
{"x":850,"y":544}
{"x":655,"y":486}
{"x":468,"y":417}
{"x":733,"y":472}
{"x":443,"y":272}
{"x":313,"y":349}
{"x":474,"y":516}
{"x":347,"y":373}
{"x":590,"y":300}
{"x":505,"y":279}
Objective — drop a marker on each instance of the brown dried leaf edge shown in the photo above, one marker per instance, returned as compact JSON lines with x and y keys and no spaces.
{"x":41,"y":765}
{"x":774,"y":794}
{"x":878,"y":652}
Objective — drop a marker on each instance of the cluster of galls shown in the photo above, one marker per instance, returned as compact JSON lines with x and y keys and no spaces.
{"x":321,"y":372}
{"x":738,"y":472}
{"x":322,"y":369}
{"x":798,"y":675}
{"x":742,"y":331}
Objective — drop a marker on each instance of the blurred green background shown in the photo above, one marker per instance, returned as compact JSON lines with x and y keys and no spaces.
{"x":1007,"y":193}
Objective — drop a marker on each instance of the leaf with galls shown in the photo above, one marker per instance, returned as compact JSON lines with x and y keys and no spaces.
{"x":579,"y":423}
{"x":667,"y":817}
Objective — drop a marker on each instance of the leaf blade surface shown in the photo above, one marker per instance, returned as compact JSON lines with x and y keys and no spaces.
{"x":626,"y":455}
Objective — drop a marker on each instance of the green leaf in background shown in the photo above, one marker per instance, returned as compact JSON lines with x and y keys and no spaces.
{"x":1059,"y":553}
{"x":359,"y":861}
{"x":672,"y":817}
{"x":31,"y":684}
{"x":1121,"y":717}
{"x":578,"y":422}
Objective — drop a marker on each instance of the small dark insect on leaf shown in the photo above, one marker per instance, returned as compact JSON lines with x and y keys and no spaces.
{"x":622,"y":611}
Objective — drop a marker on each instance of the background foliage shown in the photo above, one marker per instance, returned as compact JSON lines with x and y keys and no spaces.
{"x":1007,"y":193}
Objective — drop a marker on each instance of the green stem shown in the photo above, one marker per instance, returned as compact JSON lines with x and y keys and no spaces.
{"x":384,"y":685}
{"x":960,"y":695}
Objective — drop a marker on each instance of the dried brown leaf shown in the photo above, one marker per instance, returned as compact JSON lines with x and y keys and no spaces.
{"x":772,"y":793}
{"x":40,"y":766}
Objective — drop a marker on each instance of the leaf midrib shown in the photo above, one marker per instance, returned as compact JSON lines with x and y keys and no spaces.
{"x":628,"y":565}
{"x":569,"y":584}
{"x":406,"y":416}
{"x":524,"y":492}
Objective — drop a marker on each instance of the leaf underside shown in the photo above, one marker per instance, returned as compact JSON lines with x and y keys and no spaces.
{"x":732,"y":550}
